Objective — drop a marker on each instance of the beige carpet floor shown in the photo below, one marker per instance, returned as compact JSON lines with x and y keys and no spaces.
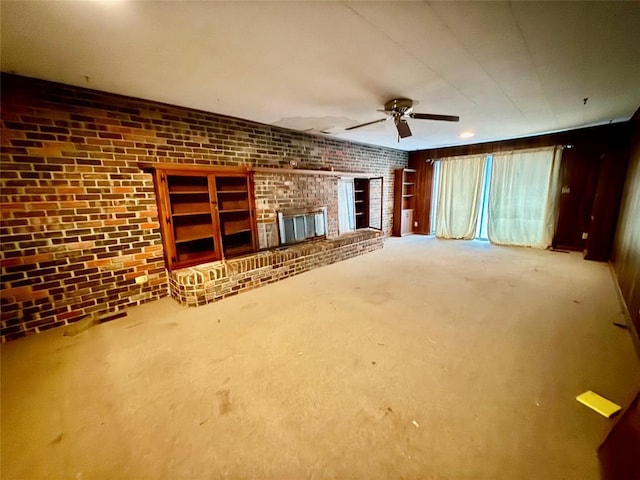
{"x":429,"y":359}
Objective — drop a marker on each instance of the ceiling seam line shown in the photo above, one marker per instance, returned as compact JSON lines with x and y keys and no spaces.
{"x":535,"y":67}
{"x":507,"y":96}
{"x":435,"y":74}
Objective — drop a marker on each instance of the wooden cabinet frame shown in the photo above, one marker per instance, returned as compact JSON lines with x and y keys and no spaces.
{"x":404,"y":201}
{"x":361,"y":191}
{"x":205,"y":213}
{"x":365,"y":215}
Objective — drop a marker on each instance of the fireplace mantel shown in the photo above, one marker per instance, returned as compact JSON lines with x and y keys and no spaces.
{"x":150,"y":166}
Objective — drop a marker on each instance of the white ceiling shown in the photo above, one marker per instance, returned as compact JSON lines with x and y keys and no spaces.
{"x":507,"y":69}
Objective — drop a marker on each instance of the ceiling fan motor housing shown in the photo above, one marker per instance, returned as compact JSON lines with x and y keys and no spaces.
{"x":399,"y":105}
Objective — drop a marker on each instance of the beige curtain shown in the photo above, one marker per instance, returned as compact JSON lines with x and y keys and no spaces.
{"x":346,"y":206}
{"x":459,"y":195}
{"x":523,"y":197}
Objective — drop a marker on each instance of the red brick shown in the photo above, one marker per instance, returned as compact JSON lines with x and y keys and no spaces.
{"x":10,"y":262}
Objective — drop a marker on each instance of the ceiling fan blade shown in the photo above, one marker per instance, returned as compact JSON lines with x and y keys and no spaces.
{"x":368,"y":123}
{"x":433,"y":116}
{"x":403,"y":127}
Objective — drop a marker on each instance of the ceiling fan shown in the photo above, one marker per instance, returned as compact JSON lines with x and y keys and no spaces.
{"x":401,"y":109}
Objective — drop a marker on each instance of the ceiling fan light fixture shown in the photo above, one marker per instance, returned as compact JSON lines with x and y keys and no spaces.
{"x":467,"y":134}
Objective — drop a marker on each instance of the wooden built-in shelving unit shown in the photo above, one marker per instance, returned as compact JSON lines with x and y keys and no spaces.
{"x":404,"y":200}
{"x":206,"y":214}
{"x":361,"y":189}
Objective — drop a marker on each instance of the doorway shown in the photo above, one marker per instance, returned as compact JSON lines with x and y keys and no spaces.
{"x":578,"y":180}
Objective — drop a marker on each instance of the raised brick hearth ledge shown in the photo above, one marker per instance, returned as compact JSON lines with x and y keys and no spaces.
{"x":214,"y":281}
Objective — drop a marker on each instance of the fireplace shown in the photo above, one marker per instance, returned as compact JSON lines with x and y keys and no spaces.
{"x":299,"y":225}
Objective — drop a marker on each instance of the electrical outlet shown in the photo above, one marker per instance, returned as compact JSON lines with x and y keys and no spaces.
{"x":415,"y":224}
{"x":585,"y":235}
{"x":142,"y":279}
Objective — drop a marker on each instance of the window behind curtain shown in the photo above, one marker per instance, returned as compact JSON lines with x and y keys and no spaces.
{"x":517,"y":197}
{"x":459,"y":196}
{"x":523,"y":197}
{"x":483,"y":222}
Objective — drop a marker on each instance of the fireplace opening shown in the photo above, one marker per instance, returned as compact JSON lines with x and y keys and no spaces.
{"x":300,"y":225}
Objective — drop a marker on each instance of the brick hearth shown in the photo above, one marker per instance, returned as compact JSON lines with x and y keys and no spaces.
{"x":214,"y":281}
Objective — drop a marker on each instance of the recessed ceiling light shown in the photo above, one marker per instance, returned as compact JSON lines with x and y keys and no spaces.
{"x":466,"y":134}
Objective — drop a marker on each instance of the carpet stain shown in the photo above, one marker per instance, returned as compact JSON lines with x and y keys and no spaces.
{"x":225,"y":403}
{"x":378,"y":298}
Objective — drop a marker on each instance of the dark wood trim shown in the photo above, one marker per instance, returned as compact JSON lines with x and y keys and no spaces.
{"x":301,"y":171}
{"x":151,"y":166}
{"x":252,"y":211}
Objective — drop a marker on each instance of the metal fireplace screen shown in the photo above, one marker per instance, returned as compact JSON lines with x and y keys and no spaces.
{"x":300,"y":225}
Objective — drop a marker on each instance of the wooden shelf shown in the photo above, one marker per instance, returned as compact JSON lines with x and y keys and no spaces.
{"x":239,"y":210}
{"x":193,"y":239}
{"x":187,"y":214}
{"x":232,"y":192}
{"x":361,"y":201}
{"x":235,"y":232}
{"x":192,"y":192}
{"x":404,"y":201}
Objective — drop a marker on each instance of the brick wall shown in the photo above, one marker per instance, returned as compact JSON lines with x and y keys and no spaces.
{"x":79,"y":219}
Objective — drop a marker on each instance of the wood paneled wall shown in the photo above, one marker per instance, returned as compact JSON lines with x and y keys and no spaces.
{"x":424,"y":185}
{"x":625,"y":256}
